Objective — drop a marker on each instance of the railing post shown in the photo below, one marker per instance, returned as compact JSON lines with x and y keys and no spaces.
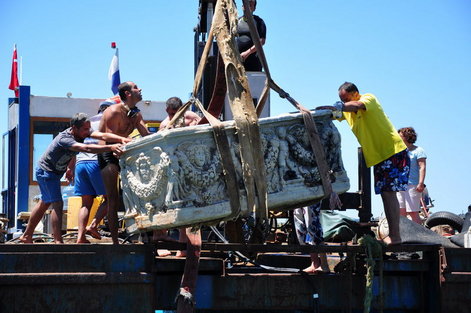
{"x":364,"y":187}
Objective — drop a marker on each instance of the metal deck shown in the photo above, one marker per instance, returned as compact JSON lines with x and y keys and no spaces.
{"x":130,"y":278}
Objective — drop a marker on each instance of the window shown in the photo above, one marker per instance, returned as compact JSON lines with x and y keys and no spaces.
{"x":43,"y":131}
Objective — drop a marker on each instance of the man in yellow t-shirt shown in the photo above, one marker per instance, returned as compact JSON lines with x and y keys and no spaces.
{"x":382,"y":148}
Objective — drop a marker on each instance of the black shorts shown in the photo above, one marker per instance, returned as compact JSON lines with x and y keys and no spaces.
{"x":106,"y":158}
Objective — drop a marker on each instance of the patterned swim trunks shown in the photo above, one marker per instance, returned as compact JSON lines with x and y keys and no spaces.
{"x":392,"y":174}
{"x":308,"y":225}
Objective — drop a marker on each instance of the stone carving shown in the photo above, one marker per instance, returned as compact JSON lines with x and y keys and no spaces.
{"x":200,"y":174}
{"x":287,"y":168}
{"x":271,"y":147}
{"x":175,"y":178}
{"x":147,"y":179}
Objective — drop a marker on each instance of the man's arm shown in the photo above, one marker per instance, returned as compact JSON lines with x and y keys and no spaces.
{"x":70,"y":173}
{"x":422,"y":170}
{"x":191,"y":118}
{"x":262,"y":32}
{"x":94,"y":148}
{"x":326,"y":107}
{"x":141,"y":126}
{"x":251,"y":50}
{"x":164,"y":123}
{"x":109,"y":137}
{"x":353,"y":106}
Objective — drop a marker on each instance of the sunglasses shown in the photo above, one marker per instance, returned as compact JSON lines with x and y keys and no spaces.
{"x":133,"y":112}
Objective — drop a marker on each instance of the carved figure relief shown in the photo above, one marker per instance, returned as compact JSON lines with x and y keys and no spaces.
{"x":288,"y":155}
{"x":301,"y":152}
{"x":200,"y":174}
{"x":287,"y":167}
{"x":184,"y":183}
{"x":330,"y":138}
{"x":147,"y":178}
{"x":271,"y":152}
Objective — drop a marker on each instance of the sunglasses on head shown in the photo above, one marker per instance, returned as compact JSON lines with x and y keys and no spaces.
{"x":133,"y":112}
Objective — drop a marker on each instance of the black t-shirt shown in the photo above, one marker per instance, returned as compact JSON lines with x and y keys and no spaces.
{"x":244,"y":41}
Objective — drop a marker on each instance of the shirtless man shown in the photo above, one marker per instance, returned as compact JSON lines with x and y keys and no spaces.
{"x":173,"y":104}
{"x":120,"y":119}
{"x":191,"y":118}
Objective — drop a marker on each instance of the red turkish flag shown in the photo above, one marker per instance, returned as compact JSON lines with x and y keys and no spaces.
{"x":14,"y":84}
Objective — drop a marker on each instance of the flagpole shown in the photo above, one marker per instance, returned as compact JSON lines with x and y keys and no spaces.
{"x":113,"y":72}
{"x":14,"y":84}
{"x":21,"y":70}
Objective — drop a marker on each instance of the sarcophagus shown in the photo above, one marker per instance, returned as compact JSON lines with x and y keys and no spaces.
{"x":175,"y":178}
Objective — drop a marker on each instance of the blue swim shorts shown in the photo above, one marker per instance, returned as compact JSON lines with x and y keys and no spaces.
{"x":88,"y":181}
{"x":49,"y":185}
{"x":392,"y":174}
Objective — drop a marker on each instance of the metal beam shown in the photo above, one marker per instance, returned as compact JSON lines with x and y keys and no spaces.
{"x":24,"y":146}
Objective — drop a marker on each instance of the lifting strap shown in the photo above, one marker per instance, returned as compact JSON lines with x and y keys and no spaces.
{"x":311,"y":128}
{"x":216,"y":104}
{"x":223,"y":147}
{"x":219,"y":132}
{"x":224,"y":27}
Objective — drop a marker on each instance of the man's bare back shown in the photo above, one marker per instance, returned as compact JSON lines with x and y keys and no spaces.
{"x":191,"y":118}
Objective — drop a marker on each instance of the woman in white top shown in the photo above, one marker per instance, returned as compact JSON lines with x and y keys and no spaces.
{"x":409,"y":200}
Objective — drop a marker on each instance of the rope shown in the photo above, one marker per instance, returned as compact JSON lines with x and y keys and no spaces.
{"x":241,"y":102}
{"x":373,"y":250}
{"x":219,"y":132}
{"x":311,"y":128}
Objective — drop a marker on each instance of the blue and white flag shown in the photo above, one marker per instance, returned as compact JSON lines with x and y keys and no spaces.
{"x":113,"y":73}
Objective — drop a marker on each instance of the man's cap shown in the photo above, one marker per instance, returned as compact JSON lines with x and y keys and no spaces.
{"x":110,"y":101}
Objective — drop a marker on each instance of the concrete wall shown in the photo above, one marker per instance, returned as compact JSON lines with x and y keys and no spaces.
{"x":66,"y":107}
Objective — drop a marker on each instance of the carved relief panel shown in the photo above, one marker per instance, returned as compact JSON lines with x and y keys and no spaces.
{"x":175,"y":178}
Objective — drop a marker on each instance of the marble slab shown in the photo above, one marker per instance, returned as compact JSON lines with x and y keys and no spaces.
{"x":174,"y":178}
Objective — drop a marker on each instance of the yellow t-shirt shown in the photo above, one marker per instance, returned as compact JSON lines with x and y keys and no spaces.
{"x":376,"y":134}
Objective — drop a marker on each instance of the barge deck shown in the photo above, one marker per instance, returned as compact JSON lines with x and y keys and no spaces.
{"x":131,"y":278}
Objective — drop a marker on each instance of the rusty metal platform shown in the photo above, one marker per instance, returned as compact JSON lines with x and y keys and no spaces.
{"x":130,"y":278}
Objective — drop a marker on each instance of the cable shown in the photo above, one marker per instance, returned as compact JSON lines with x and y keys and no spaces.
{"x":248,"y":260}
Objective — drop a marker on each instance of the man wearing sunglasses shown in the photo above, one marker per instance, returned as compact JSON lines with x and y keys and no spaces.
{"x":120,"y":119}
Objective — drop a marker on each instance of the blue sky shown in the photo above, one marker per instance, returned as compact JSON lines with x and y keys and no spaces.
{"x":413,"y":55}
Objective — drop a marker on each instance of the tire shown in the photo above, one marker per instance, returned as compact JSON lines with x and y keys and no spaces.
{"x":445,"y":218}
